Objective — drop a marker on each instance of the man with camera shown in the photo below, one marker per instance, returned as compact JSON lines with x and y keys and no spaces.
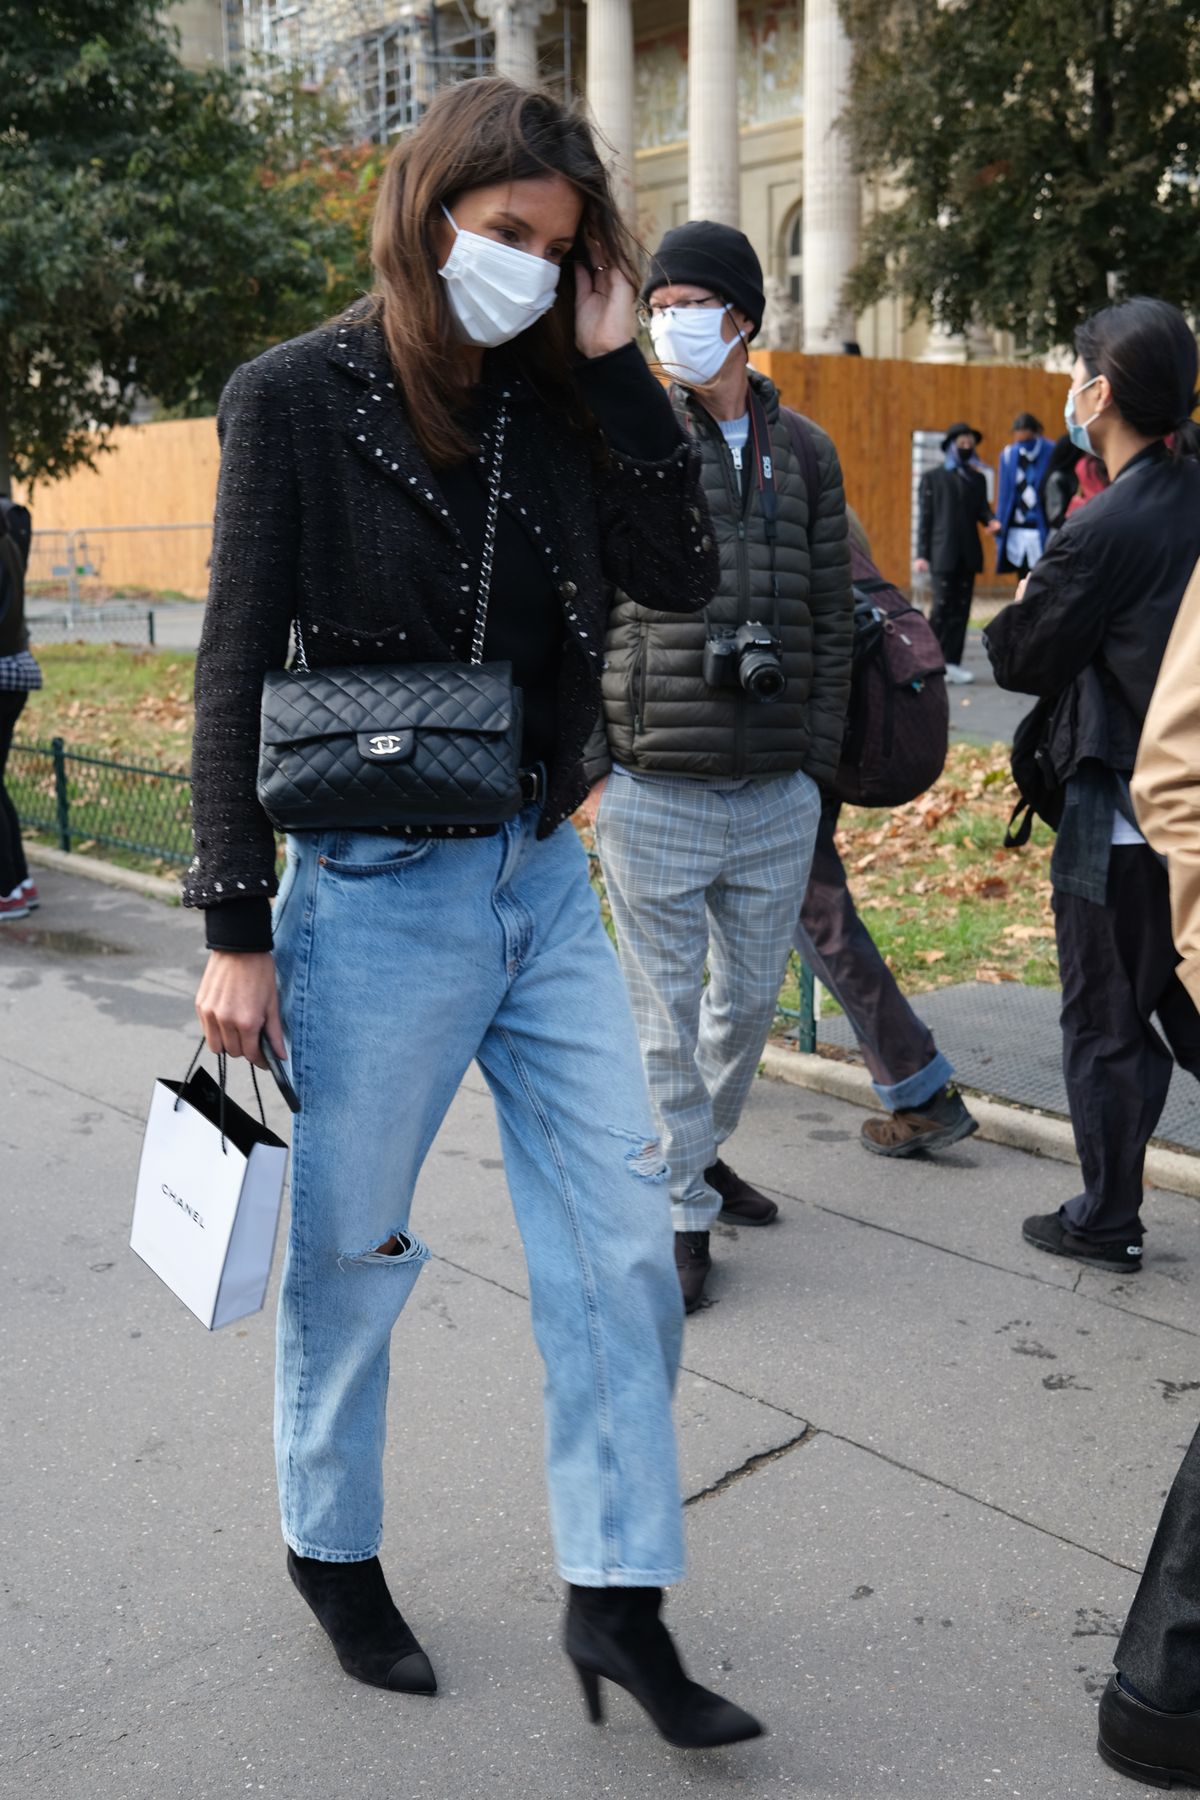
{"x":716,"y":730}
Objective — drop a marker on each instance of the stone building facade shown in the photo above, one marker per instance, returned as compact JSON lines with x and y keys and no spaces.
{"x":721,"y":109}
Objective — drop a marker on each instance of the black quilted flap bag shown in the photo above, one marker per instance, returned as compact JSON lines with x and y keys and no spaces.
{"x":371,"y":745}
{"x":358,"y":747}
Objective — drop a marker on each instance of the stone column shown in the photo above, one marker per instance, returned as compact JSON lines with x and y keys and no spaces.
{"x":832,"y":194}
{"x":610,"y":90}
{"x":515,"y":23}
{"x":714,"y":161}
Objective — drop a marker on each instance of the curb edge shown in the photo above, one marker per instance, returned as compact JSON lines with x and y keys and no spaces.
{"x":1175,"y":1170}
{"x":94,"y":868}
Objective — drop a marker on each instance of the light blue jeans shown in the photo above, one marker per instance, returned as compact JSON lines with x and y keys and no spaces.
{"x":398,"y":964}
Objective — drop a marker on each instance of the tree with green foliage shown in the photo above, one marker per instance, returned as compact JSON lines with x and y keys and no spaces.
{"x":154,"y":231}
{"x":1034,"y":160}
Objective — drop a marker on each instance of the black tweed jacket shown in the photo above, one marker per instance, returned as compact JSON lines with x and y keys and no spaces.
{"x":328,"y":511}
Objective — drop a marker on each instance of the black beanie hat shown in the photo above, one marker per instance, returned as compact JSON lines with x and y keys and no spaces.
{"x":714,"y":256}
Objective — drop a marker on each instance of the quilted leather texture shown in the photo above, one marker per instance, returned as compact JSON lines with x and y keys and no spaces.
{"x":316,"y":774}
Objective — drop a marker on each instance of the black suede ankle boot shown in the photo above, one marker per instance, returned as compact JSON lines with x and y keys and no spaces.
{"x":616,"y":1633}
{"x":353,"y":1607}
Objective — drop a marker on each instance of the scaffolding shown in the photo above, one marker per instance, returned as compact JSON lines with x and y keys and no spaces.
{"x":382,"y":60}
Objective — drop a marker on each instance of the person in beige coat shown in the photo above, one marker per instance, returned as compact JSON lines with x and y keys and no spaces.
{"x":1166,"y":781}
{"x":1149,"y":1723}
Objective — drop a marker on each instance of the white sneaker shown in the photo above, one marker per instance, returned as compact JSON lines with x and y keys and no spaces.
{"x":958,"y":676}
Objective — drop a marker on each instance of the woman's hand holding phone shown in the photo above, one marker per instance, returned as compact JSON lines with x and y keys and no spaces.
{"x":237,"y":1001}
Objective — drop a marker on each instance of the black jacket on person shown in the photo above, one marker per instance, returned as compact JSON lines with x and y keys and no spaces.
{"x":951,"y":503}
{"x":14,"y":632}
{"x":659,"y":712}
{"x":1099,"y":609}
{"x":328,"y":511}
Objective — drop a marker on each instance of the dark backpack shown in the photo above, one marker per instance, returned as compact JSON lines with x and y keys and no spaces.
{"x":1042,"y":794}
{"x":898,"y":720}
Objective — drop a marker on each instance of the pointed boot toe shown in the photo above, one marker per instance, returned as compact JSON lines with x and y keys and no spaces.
{"x":712,"y":1721}
{"x":352,"y":1604}
{"x":413,"y":1674}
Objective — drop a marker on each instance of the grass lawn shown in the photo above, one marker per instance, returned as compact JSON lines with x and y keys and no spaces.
{"x":940,"y":895}
{"x":128,"y":704}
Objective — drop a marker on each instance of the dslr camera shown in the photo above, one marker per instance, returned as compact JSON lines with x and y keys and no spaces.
{"x":750,"y":658}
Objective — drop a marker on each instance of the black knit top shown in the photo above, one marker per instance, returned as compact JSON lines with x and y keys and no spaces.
{"x":327,"y":511}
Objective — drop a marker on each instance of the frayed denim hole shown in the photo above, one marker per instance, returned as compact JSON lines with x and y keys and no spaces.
{"x":397,"y":1249}
{"x":644,"y":1156}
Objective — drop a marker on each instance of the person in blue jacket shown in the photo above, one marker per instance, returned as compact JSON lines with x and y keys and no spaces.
{"x":1019,"y":508}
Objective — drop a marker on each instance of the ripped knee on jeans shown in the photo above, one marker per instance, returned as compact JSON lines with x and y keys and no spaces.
{"x":397,"y":1247}
{"x":644,"y":1156}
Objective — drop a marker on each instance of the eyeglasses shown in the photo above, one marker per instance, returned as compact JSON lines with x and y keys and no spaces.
{"x":646,"y":313}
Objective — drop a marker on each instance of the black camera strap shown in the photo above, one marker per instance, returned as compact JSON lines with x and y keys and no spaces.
{"x":768,"y":493}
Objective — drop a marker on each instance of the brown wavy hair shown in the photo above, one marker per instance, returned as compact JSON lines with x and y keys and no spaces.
{"x":475,"y":134}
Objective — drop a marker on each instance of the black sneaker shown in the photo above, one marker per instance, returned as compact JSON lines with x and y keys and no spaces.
{"x":741,"y":1204}
{"x":692,"y":1262}
{"x":1050,"y":1231}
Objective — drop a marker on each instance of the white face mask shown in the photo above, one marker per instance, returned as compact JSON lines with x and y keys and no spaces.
{"x":495,"y":290}
{"x":688,"y":343}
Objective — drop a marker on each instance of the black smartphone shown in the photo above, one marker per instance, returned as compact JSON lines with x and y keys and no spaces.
{"x":291,"y":1097}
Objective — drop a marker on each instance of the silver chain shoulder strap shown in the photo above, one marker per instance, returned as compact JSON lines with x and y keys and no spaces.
{"x":495,"y":476}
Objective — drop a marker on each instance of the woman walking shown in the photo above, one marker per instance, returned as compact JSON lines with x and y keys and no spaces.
{"x":1090,"y":632}
{"x":485,"y":424}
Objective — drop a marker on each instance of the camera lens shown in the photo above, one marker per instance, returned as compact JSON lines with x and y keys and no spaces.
{"x":762,"y":674}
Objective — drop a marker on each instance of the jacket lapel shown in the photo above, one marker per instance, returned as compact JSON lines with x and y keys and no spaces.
{"x":373,"y":422}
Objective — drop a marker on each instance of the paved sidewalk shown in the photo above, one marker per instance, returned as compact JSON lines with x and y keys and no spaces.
{"x":923,"y":1461}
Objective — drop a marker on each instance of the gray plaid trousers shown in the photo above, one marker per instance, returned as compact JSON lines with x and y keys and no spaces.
{"x":700,"y":870}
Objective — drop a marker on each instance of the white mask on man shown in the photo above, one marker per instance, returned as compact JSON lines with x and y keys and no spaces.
{"x":688,"y":343}
{"x":495,"y":290}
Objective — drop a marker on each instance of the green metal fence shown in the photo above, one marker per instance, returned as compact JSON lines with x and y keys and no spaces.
{"x":80,"y":797}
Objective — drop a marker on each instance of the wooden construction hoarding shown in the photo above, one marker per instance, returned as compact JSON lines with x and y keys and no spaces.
{"x":166,"y":474}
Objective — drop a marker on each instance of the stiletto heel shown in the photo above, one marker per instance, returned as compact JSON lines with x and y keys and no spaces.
{"x":591,"y":1693}
{"x":616,"y":1633}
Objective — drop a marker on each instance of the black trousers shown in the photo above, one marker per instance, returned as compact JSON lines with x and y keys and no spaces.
{"x":841,"y":952}
{"x":1160,"y":1646}
{"x":952,"y":594}
{"x":13,"y":867}
{"x":1117,"y":965}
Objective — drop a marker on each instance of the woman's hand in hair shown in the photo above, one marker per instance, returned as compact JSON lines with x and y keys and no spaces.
{"x":604,"y":301}
{"x":236,"y":1000}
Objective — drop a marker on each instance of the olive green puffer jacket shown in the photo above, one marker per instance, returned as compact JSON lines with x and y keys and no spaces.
{"x":659,"y":713}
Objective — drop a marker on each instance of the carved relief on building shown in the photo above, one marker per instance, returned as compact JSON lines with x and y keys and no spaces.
{"x":660,"y":88}
{"x":770,"y":65}
{"x":770,"y":75}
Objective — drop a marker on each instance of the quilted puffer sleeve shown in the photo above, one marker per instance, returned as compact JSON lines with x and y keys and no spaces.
{"x":247,"y":622}
{"x":831,"y":603}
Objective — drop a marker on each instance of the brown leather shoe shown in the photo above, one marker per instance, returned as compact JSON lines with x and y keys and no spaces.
{"x":740,"y":1203}
{"x":692,"y":1263}
{"x":935,"y":1127}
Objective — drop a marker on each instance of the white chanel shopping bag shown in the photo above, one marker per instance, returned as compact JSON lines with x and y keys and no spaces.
{"x":209,"y":1189}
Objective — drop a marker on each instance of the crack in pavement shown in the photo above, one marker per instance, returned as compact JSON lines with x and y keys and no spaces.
{"x":751,"y":1466}
{"x":763,"y":1458}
